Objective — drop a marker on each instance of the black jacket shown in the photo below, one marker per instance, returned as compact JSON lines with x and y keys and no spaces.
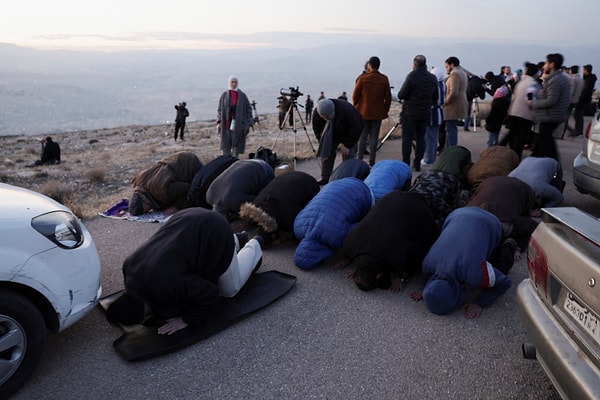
{"x":347,"y":124}
{"x":176,"y":272}
{"x":419,"y":92}
{"x":475,"y":88}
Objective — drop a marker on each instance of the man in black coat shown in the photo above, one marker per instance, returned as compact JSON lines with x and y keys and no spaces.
{"x":182,"y":114}
{"x":180,"y":272}
{"x":336,"y":124}
{"x":419,"y":93}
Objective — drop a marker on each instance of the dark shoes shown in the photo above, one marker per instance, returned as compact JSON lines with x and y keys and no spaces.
{"x":242,"y":238}
{"x":322,"y":181}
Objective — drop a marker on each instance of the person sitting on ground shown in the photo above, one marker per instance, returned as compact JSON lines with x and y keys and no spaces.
{"x":323,"y":224}
{"x":388,"y":245}
{"x":179,"y":274}
{"x":164,"y":186}
{"x":238,"y":184}
{"x":50,"y":153}
{"x":388,"y":175}
{"x":511,"y":201}
{"x":457,"y":268}
{"x":276,"y":206}
{"x":544,"y":176}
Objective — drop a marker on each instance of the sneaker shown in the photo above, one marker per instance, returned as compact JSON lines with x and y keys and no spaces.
{"x":322,"y":181}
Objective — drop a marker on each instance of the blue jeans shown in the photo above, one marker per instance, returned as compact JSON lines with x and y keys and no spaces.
{"x":451,"y":132}
{"x":468,"y":119}
{"x":492,"y":138}
{"x":431,"y":143}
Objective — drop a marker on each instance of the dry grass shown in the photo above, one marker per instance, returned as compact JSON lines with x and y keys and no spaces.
{"x":98,"y":165}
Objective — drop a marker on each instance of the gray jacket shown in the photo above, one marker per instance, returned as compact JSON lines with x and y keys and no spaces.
{"x":553,"y":99}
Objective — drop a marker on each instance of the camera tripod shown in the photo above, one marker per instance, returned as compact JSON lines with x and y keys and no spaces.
{"x":290,"y":114}
{"x":475,"y":110}
{"x":255,"y":118}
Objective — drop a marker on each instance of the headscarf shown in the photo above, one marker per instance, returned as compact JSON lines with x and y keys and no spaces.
{"x":233,"y":77}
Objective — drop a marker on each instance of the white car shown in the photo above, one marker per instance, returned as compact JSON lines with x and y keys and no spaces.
{"x":49,"y":278}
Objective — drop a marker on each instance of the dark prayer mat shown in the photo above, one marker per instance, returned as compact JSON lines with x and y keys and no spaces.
{"x":140,"y":342}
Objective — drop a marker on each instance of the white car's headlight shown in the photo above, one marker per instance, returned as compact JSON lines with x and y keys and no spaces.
{"x":60,"y":227}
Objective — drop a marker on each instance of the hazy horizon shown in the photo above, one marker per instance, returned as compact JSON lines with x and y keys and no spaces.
{"x":51,"y":91}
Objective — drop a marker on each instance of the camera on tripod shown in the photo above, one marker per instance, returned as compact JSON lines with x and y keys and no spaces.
{"x":293,"y":93}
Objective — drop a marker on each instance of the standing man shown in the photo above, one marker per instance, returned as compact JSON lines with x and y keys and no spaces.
{"x":308,"y":106}
{"x":551,"y":105}
{"x":372,"y":98}
{"x":419,"y":92}
{"x":455,"y":104}
{"x":589,"y":81}
{"x":182,"y":114}
{"x":576,"y":90}
{"x":338,"y":124}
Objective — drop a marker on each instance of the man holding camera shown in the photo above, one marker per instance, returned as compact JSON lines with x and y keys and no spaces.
{"x":182,"y":114}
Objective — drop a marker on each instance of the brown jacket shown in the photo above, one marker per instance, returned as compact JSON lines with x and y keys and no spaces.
{"x":455,"y":104}
{"x":372,"y":96}
{"x":493,"y":161}
{"x":168,"y":181}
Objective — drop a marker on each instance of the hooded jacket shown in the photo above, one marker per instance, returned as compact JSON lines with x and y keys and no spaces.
{"x":277,"y":205}
{"x":493,"y":161}
{"x":457,"y":263}
{"x":326,"y":220}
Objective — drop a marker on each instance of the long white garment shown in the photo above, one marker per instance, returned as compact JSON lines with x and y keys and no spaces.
{"x":241,"y":267}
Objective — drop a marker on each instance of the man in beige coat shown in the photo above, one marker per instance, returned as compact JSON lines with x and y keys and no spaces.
{"x":455,"y":103}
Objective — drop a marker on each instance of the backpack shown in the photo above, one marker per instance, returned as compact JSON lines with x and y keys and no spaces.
{"x":266,"y":154}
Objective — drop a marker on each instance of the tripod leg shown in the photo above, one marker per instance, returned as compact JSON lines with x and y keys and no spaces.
{"x":387,"y":135}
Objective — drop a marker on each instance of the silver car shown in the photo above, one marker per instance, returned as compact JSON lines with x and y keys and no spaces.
{"x":559,"y":304}
{"x":49,"y":278}
{"x":586,"y":166}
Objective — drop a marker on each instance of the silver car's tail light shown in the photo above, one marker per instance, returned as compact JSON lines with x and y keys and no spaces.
{"x":537,"y":263}
{"x":60,"y":227}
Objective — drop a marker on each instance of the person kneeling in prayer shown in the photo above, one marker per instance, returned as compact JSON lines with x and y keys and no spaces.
{"x":178,"y":275}
{"x":457,"y":268}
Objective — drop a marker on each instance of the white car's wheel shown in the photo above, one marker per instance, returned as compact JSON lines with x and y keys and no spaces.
{"x":22,"y":340}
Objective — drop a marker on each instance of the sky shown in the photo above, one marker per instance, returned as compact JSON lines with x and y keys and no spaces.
{"x":216,"y":24}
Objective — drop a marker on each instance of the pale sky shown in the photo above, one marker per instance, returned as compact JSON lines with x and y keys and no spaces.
{"x":201,"y":24}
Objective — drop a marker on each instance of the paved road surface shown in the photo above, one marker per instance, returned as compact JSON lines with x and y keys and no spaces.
{"x":324,"y":340}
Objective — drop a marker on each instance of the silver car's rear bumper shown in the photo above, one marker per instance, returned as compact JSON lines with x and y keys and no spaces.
{"x":585,"y":177}
{"x":571,"y":371}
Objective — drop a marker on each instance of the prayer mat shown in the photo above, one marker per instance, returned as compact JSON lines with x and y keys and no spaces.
{"x":140,"y":342}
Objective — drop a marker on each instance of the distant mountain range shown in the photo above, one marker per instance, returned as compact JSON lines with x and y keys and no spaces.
{"x":61,"y":91}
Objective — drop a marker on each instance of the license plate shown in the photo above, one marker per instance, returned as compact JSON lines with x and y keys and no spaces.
{"x":583,"y":317}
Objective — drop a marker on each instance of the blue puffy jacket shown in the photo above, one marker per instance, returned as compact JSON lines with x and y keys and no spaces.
{"x":324,"y":223}
{"x":387,"y":176}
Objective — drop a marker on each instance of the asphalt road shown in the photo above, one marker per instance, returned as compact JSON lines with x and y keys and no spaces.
{"x":324,"y":340}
